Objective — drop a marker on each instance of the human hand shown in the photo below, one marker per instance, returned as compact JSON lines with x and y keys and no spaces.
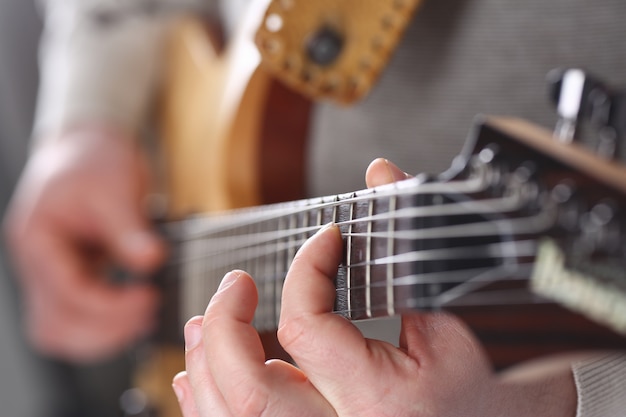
{"x":78,"y":206}
{"x":439,"y":368}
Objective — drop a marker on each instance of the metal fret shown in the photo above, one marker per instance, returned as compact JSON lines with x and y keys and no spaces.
{"x":349,"y":258}
{"x":319,"y":216}
{"x":281,"y":265}
{"x":291,"y":252}
{"x":391,"y":311}
{"x":265,"y":274}
{"x":305,"y":224}
{"x":252,"y":267}
{"x":368,"y":258}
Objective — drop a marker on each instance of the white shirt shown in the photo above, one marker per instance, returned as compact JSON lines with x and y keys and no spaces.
{"x":100,"y":60}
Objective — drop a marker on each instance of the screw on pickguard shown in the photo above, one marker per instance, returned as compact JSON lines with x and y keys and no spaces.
{"x":582,"y":98}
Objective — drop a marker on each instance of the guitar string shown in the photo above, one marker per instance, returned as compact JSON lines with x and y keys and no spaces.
{"x":206,"y":225}
{"x":461,"y":278}
{"x":427,"y":302}
{"x":487,"y":206}
{"x":256,"y":255}
{"x":484,"y":298}
{"x":469,"y":277}
{"x":244,"y":253}
{"x":492,"y":206}
{"x":256,"y":240}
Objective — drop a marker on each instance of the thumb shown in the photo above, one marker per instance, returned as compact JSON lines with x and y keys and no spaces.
{"x":130,"y":238}
{"x":381,"y":171}
{"x":428,"y":337}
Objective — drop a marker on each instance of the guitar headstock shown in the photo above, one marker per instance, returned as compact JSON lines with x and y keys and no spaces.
{"x":582,"y":257}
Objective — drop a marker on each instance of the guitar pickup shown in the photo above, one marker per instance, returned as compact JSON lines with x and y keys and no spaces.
{"x":596,"y":289}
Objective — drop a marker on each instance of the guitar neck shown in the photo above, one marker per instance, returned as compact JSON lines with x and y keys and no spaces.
{"x":468,"y":237}
{"x":407,"y":246}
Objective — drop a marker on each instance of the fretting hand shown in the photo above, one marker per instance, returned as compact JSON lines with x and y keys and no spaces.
{"x":438,"y":370}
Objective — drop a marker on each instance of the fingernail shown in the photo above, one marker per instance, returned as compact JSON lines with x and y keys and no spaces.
{"x":395,"y":174}
{"x":389,"y":171}
{"x":179,"y":392}
{"x":193,"y":335}
{"x":330,"y":225}
{"x":327,"y":226}
{"x":229,"y":279}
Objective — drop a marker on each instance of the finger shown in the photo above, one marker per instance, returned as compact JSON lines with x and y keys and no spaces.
{"x":62,"y":331}
{"x":381,"y":172}
{"x":309,"y":294}
{"x":428,"y":337}
{"x":119,"y":214}
{"x":70,"y":310}
{"x":317,"y":260}
{"x":182,"y":389}
{"x":308,"y":329}
{"x":126,"y":233}
{"x":200,"y":394}
{"x":80,"y":336}
{"x":233,"y":348}
{"x":354,"y":374}
{"x":59,"y":268}
{"x":236,"y":360}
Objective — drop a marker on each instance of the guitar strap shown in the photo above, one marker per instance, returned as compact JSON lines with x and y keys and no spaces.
{"x":332,"y":49}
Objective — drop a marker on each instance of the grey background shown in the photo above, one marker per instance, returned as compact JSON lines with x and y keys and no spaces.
{"x":22,"y":383}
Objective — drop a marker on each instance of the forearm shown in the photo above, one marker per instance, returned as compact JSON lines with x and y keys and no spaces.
{"x":580,"y":385}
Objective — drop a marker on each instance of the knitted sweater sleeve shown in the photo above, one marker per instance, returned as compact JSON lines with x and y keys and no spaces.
{"x":601,"y":386}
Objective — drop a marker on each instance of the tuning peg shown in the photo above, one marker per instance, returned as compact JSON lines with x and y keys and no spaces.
{"x":565,"y":90}
{"x":617,"y":120}
{"x":579,"y":96}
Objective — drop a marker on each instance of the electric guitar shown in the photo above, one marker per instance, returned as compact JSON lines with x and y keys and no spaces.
{"x":519,"y":221}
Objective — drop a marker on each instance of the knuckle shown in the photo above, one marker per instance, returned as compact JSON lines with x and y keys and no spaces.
{"x":293,"y":332}
{"x":252,"y":403}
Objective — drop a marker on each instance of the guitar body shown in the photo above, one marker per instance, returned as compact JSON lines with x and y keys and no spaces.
{"x":222,"y":149}
{"x":206,"y":138}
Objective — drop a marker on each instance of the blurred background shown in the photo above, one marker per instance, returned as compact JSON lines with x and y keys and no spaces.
{"x":22,"y":375}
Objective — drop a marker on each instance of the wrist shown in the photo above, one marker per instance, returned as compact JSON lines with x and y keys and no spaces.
{"x":81,"y":131}
{"x":539,"y":388}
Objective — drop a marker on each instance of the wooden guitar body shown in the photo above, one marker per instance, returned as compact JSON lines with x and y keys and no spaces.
{"x":206,"y":139}
{"x":221,"y":152}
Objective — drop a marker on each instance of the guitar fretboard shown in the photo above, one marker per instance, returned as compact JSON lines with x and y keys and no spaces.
{"x":409,"y":245}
